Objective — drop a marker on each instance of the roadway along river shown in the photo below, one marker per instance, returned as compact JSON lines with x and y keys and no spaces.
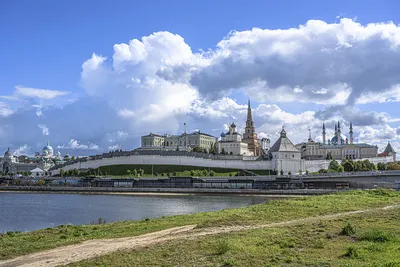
{"x":30,"y":211}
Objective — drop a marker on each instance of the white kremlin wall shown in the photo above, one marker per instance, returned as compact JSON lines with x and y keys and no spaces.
{"x":286,"y":165}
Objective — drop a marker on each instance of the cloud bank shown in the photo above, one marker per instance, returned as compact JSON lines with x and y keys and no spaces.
{"x":156,"y":83}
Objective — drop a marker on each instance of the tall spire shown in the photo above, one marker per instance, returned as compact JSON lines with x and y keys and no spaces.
{"x":249,"y":116}
{"x":351,"y":133}
{"x":309,"y":135}
{"x":323,"y":133}
{"x":339,"y":133}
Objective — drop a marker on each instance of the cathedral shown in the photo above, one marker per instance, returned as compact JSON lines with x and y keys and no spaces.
{"x":11,"y":164}
{"x":338,"y":147}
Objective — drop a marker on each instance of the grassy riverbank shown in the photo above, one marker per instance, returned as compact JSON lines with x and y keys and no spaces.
{"x":13,"y":244}
{"x":371,"y":239}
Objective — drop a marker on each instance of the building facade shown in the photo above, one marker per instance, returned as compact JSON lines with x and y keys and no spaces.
{"x":183,"y":142}
{"x":231,"y":143}
{"x":338,"y":147}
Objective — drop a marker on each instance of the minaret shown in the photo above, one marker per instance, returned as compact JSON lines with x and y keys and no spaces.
{"x":250,"y":136}
{"x":309,"y":135}
{"x":339,"y":133}
{"x":323,"y":133}
{"x":351,"y":133}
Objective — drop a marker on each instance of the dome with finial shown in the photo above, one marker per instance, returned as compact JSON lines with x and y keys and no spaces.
{"x":48,"y":150}
{"x":233,"y":125}
{"x":223,"y":134}
{"x":8,"y":153}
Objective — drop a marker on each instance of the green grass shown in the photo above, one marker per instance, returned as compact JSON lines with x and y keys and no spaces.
{"x":181,"y":170}
{"x":14,"y":244}
{"x":309,"y":244}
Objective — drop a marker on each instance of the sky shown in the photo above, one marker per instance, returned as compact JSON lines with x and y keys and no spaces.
{"x":93,"y":76}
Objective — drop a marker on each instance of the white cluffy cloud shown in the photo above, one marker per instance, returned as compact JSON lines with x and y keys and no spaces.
{"x":45,"y":130}
{"x":156,"y":83}
{"x":38,"y":93}
{"x":74,"y":144}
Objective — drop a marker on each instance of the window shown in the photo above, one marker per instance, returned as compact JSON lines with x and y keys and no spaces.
{"x":293,"y":156}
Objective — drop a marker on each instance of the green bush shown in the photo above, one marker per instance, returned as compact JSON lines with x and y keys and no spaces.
{"x":352,"y":253}
{"x":375,"y":236}
{"x":348,"y":230}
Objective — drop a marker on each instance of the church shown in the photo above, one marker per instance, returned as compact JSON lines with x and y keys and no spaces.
{"x":11,"y":164}
{"x":233,"y":143}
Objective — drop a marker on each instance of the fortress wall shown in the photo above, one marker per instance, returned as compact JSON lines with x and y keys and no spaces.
{"x":287,"y":165}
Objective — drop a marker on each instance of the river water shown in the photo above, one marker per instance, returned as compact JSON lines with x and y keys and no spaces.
{"x":30,"y":211}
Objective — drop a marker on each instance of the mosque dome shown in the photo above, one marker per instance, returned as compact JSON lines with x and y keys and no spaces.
{"x":8,"y":153}
{"x":233,"y":125}
{"x":334,"y":140}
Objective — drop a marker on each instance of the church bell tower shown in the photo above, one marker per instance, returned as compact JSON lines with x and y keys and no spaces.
{"x":250,"y":136}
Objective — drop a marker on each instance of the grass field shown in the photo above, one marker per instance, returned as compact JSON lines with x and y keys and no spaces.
{"x":373,"y":241}
{"x":13,"y":244}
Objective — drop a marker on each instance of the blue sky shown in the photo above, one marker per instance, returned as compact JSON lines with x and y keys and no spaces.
{"x":45,"y":43}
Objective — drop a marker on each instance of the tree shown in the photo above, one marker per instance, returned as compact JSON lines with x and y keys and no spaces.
{"x":135,"y":173}
{"x":381,"y":166}
{"x":212,"y":173}
{"x":62,"y":172}
{"x":223,"y":151}
{"x":329,"y":155}
{"x":141,"y":172}
{"x":73,"y":158}
{"x":393,"y":166}
{"x":334,"y":166}
{"x":128,"y":172}
{"x":300,"y":172}
{"x":307,"y":172}
{"x":192,"y":173}
{"x":290,"y":173}
{"x":282,"y":172}
{"x":348,"y":165}
{"x":197,"y":149}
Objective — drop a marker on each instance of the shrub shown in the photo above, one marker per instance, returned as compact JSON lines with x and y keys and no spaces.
{"x":222,"y":247}
{"x":192,"y":173}
{"x":212,"y":173}
{"x":351,"y":252}
{"x":376,"y":236}
{"x":348,"y":230}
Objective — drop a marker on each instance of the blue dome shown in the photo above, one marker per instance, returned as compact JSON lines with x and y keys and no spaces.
{"x":48,"y":148}
{"x":334,"y":140}
{"x":222,"y":134}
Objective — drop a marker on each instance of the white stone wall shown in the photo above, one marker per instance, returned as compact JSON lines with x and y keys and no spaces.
{"x":287,"y":165}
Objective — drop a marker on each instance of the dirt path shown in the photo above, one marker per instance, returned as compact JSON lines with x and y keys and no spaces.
{"x":92,"y":248}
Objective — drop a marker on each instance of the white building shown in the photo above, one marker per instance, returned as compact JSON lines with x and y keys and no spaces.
{"x":183,"y":142}
{"x":231,"y":143}
{"x":285,"y":156}
{"x":37,"y":172}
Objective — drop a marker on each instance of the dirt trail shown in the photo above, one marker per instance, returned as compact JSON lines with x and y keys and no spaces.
{"x":92,"y":248}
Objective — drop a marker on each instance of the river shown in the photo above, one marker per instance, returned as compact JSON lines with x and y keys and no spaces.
{"x":30,"y":211}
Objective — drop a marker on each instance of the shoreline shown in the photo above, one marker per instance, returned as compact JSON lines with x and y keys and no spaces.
{"x":145,"y":193}
{"x":168,"y":191}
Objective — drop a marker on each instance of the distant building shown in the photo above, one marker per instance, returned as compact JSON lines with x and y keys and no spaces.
{"x":11,"y":164}
{"x":389,"y":151}
{"x":338,"y":147}
{"x":231,"y":143}
{"x":183,"y":142}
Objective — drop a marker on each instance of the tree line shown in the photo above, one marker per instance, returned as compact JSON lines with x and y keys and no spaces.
{"x":359,"y":166}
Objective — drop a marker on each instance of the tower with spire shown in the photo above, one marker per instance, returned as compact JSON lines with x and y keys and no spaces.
{"x":323,"y":133}
{"x":351,"y":133}
{"x":339,"y":133}
{"x":250,"y":136}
